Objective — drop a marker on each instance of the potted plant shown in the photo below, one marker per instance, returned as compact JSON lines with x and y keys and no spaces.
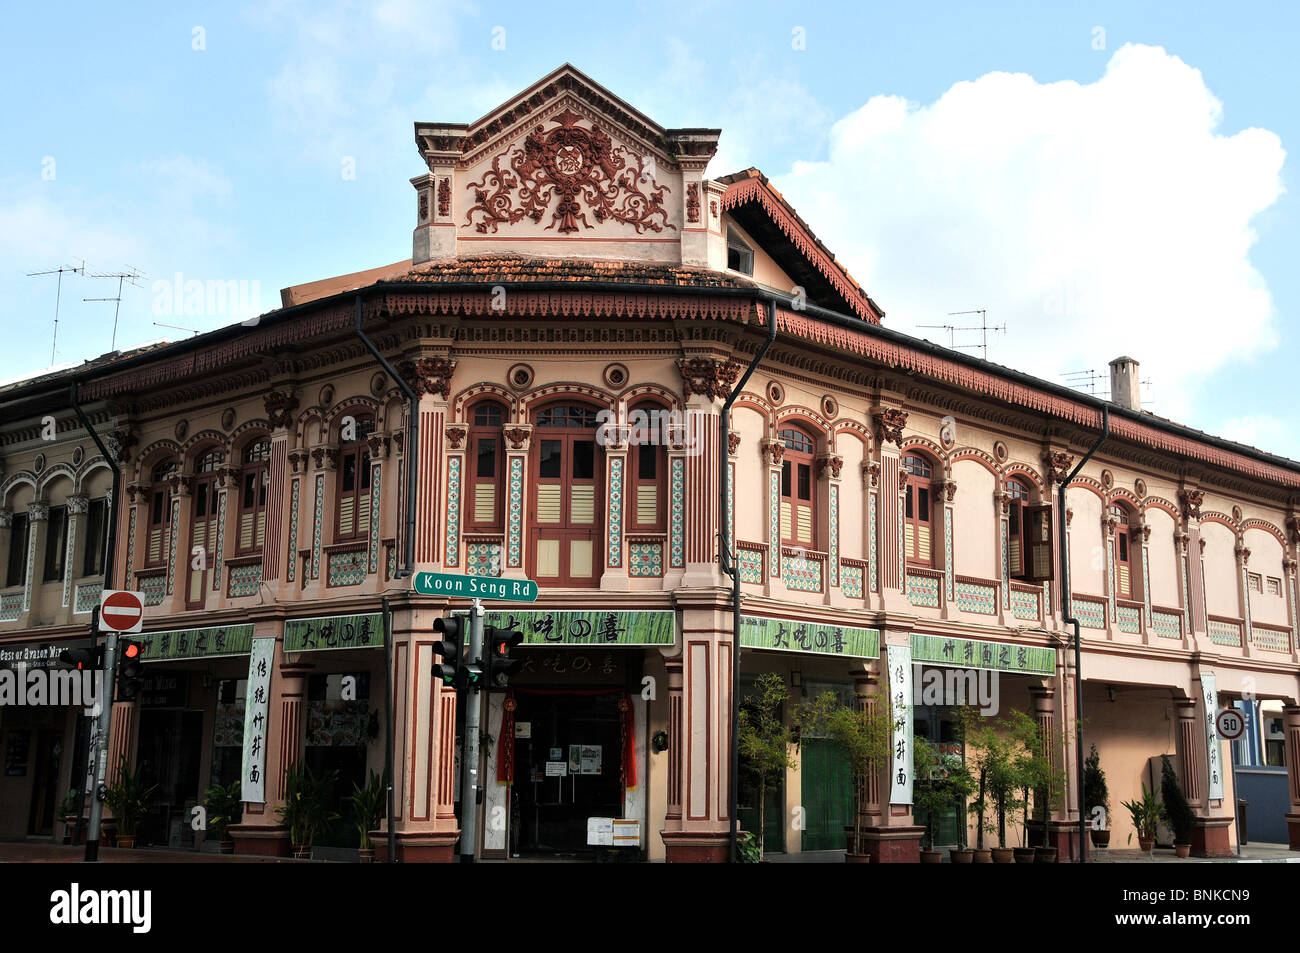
{"x":224,"y":807}
{"x":1096,"y":795}
{"x":997,"y":765}
{"x":978,"y":754}
{"x":128,"y":799}
{"x":68,"y":811}
{"x":865,"y":739}
{"x":939,"y":782}
{"x":1146,"y":814}
{"x":1177,"y":811}
{"x":765,"y":740}
{"x":368,"y":802}
{"x":1044,"y":775}
{"x":304,"y":810}
{"x":747,"y":849}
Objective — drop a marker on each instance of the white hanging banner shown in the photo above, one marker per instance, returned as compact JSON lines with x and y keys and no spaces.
{"x":1210,"y":692}
{"x":900,"y":706}
{"x":256,"y":703}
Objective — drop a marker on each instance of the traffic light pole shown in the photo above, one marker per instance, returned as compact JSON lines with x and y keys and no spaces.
{"x":100,"y":750}
{"x":474,"y":700}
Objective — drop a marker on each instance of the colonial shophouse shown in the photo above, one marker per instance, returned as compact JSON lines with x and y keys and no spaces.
{"x":570,"y":258}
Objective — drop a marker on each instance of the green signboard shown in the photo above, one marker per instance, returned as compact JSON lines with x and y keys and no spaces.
{"x":818,"y":638}
{"x":593,"y":629}
{"x":362,"y":631}
{"x":475,"y":587}
{"x":973,"y":653}
{"x":216,"y":641}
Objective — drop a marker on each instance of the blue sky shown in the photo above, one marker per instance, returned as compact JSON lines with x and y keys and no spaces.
{"x":216,"y":142}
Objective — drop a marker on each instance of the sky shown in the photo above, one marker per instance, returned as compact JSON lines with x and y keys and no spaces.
{"x":1099,"y":179}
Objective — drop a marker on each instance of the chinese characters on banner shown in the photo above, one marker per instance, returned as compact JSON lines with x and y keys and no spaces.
{"x":1210,"y":691}
{"x":255,"y":707}
{"x":900,"y":697}
{"x":552,"y":627}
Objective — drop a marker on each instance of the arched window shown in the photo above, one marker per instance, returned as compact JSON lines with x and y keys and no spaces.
{"x":254,"y":475}
{"x":488,"y":454}
{"x":567,"y":494}
{"x":203,"y":522}
{"x":1123,"y":552}
{"x":353,"y":508}
{"x":160,"y":514}
{"x":798,"y":493}
{"x":918,"y":511}
{"x":647,"y":466}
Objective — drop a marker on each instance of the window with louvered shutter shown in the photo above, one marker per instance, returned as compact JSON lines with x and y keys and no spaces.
{"x":798,"y":493}
{"x":159,"y":516}
{"x":353,"y":507}
{"x":485,"y":467}
{"x":647,"y":463}
{"x":918,"y":511}
{"x":254,"y":477}
{"x":566,"y":496}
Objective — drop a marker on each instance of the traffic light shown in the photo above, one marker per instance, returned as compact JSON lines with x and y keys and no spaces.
{"x":500,"y":665}
{"x":451,"y":647}
{"x":83,"y":659}
{"x":129,"y":669}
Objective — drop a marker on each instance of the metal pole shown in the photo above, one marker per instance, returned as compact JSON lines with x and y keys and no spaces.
{"x":388,"y":728}
{"x":474,"y":703}
{"x":100,"y":753}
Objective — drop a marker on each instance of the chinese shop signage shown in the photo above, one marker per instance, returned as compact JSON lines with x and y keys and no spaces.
{"x":334,"y":632}
{"x":997,"y":656}
{"x":760,"y":632}
{"x":255,"y":707}
{"x":900,"y":695}
{"x":1210,"y":689}
{"x":561,"y":627}
{"x":213,"y":642}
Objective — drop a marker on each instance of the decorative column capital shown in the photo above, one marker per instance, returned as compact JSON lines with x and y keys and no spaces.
{"x":379,"y":443}
{"x":280,"y":408}
{"x":950,"y":490}
{"x":775,"y":450}
{"x":455,"y":434}
{"x":829,"y":466}
{"x":1109,"y":522}
{"x":519,"y":436}
{"x":78,"y":505}
{"x":181,"y":483}
{"x":6,"y":518}
{"x":298,"y":458}
{"x":1190,"y":501}
{"x":871,"y":474}
{"x":325,"y":457}
{"x":1242,"y":553}
{"x":227,"y":477}
{"x":733,"y":442}
{"x":889,"y":426}
{"x":137,"y":492}
{"x":430,"y":375}
{"x":707,"y":376}
{"x":1293,"y":529}
{"x":38,"y":512}
{"x":1003,"y":501}
{"x":1058,"y":464}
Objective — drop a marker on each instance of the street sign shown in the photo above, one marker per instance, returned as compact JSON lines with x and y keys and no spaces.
{"x":475,"y":587}
{"x":1230,"y":724}
{"x":121,"y":611}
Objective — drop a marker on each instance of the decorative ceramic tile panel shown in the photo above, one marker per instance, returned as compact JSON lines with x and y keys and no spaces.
{"x":1129,"y":619}
{"x":1225,"y":633}
{"x":614,"y":531}
{"x":774,"y":521}
{"x":923,"y":590}
{"x":1146,"y":586}
{"x":1025,"y":605}
{"x":171,"y":559}
{"x":1110,"y":592}
{"x":11,"y":606}
{"x":974,"y":597}
{"x":1167,"y":625}
{"x":153,"y":588}
{"x":834,"y":555}
{"x":86,"y":598}
{"x":221,"y":539}
{"x":1295,"y":611}
{"x":677,"y":513}
{"x":70,"y":548}
{"x":751,"y":565}
{"x":31,"y":566}
{"x":900,"y":546}
{"x":293,"y":531}
{"x":1091,"y":615}
{"x":515,"y":519}
{"x":851,"y":581}
{"x":346,"y":569}
{"x":947,"y":552}
{"x":317,"y":522}
{"x":871,"y":540}
{"x":453,"y":511}
{"x":1006,"y":562}
{"x":802,"y":574}
{"x":375,"y":475}
{"x":1245,"y":602}
{"x":244,"y":580}
{"x":645,"y":559}
{"x":482,"y":559}
{"x":1270,"y":640}
{"x":130,"y":539}
{"x":731,"y":506}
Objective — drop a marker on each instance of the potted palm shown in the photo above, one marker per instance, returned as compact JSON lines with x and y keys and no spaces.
{"x":1177,"y":811}
{"x":765,"y":740}
{"x":939,"y":783}
{"x":865,"y":739}
{"x":1096,"y":795}
{"x":68,"y":811}
{"x":304,"y":811}
{"x":1146,"y":815}
{"x":224,"y":807}
{"x":368,"y":803}
{"x":128,"y":799}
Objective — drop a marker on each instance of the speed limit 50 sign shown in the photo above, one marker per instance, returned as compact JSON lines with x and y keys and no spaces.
{"x":1230,"y":724}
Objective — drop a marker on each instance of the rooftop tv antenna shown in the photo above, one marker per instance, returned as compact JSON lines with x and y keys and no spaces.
{"x":193,"y":331}
{"x":1087,"y":380}
{"x":132,"y":276}
{"x":983,"y":328}
{"x":58,"y":296}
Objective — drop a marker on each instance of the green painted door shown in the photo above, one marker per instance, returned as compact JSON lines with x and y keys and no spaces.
{"x":827,"y":791}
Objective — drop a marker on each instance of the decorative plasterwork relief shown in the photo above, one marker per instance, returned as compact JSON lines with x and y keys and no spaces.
{"x":708,"y":376}
{"x":889,"y":426}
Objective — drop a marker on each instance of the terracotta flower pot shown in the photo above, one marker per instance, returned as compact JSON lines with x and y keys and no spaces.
{"x":1099,"y":838}
{"x":227,"y":846}
{"x":126,"y":841}
{"x":852,"y":858}
{"x":302,"y":853}
{"x":961,"y":856}
{"x":931,"y":857}
{"x":1046,"y":855}
{"x":1003,"y":855}
{"x":1182,"y":849}
{"x":1025,"y":855}
{"x":1146,"y":844}
{"x":982,"y":855}
{"x":366,"y":855}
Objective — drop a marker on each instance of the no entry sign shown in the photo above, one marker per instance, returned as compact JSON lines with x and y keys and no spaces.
{"x":1230,"y":724}
{"x":121,"y":611}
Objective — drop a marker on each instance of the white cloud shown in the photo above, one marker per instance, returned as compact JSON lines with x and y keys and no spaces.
{"x":1094,"y":220}
{"x":1264,"y":431}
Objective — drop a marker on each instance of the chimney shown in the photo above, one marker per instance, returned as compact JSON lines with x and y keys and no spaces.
{"x":1124,"y":387}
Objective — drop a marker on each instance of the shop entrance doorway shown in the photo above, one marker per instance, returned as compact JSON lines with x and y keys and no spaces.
{"x":170,"y":744}
{"x":568,"y":768}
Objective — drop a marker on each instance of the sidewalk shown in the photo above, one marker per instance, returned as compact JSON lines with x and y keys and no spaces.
{"x":25,"y":852}
{"x":1250,"y":854}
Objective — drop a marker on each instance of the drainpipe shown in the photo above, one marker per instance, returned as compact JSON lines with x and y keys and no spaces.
{"x":106,"y":692}
{"x":729,"y":563}
{"x":412,"y":458}
{"x":1067,"y":608}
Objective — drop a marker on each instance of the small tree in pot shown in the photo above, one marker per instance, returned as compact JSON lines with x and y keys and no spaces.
{"x":68,"y":811}
{"x":765,"y":739}
{"x":996,"y":763}
{"x":129,"y":801}
{"x":939,"y":782}
{"x":368,"y":802}
{"x":1177,"y":811}
{"x":304,"y":811}
{"x":1096,"y":795}
{"x":224,"y":807}
{"x":1146,"y":815}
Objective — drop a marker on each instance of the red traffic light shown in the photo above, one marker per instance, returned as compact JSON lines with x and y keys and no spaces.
{"x":132,"y":650}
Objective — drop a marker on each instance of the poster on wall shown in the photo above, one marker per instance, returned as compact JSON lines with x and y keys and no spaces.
{"x":900,"y":703}
{"x":1210,"y":689}
{"x":17,"y":745}
{"x":255,"y":709}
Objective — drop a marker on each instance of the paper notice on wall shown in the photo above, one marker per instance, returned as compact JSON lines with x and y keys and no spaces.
{"x":900,"y":705}
{"x":590,"y":759}
{"x":557,"y":769}
{"x":600,"y":831}
{"x":1210,"y":693}
{"x":257,"y":702}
